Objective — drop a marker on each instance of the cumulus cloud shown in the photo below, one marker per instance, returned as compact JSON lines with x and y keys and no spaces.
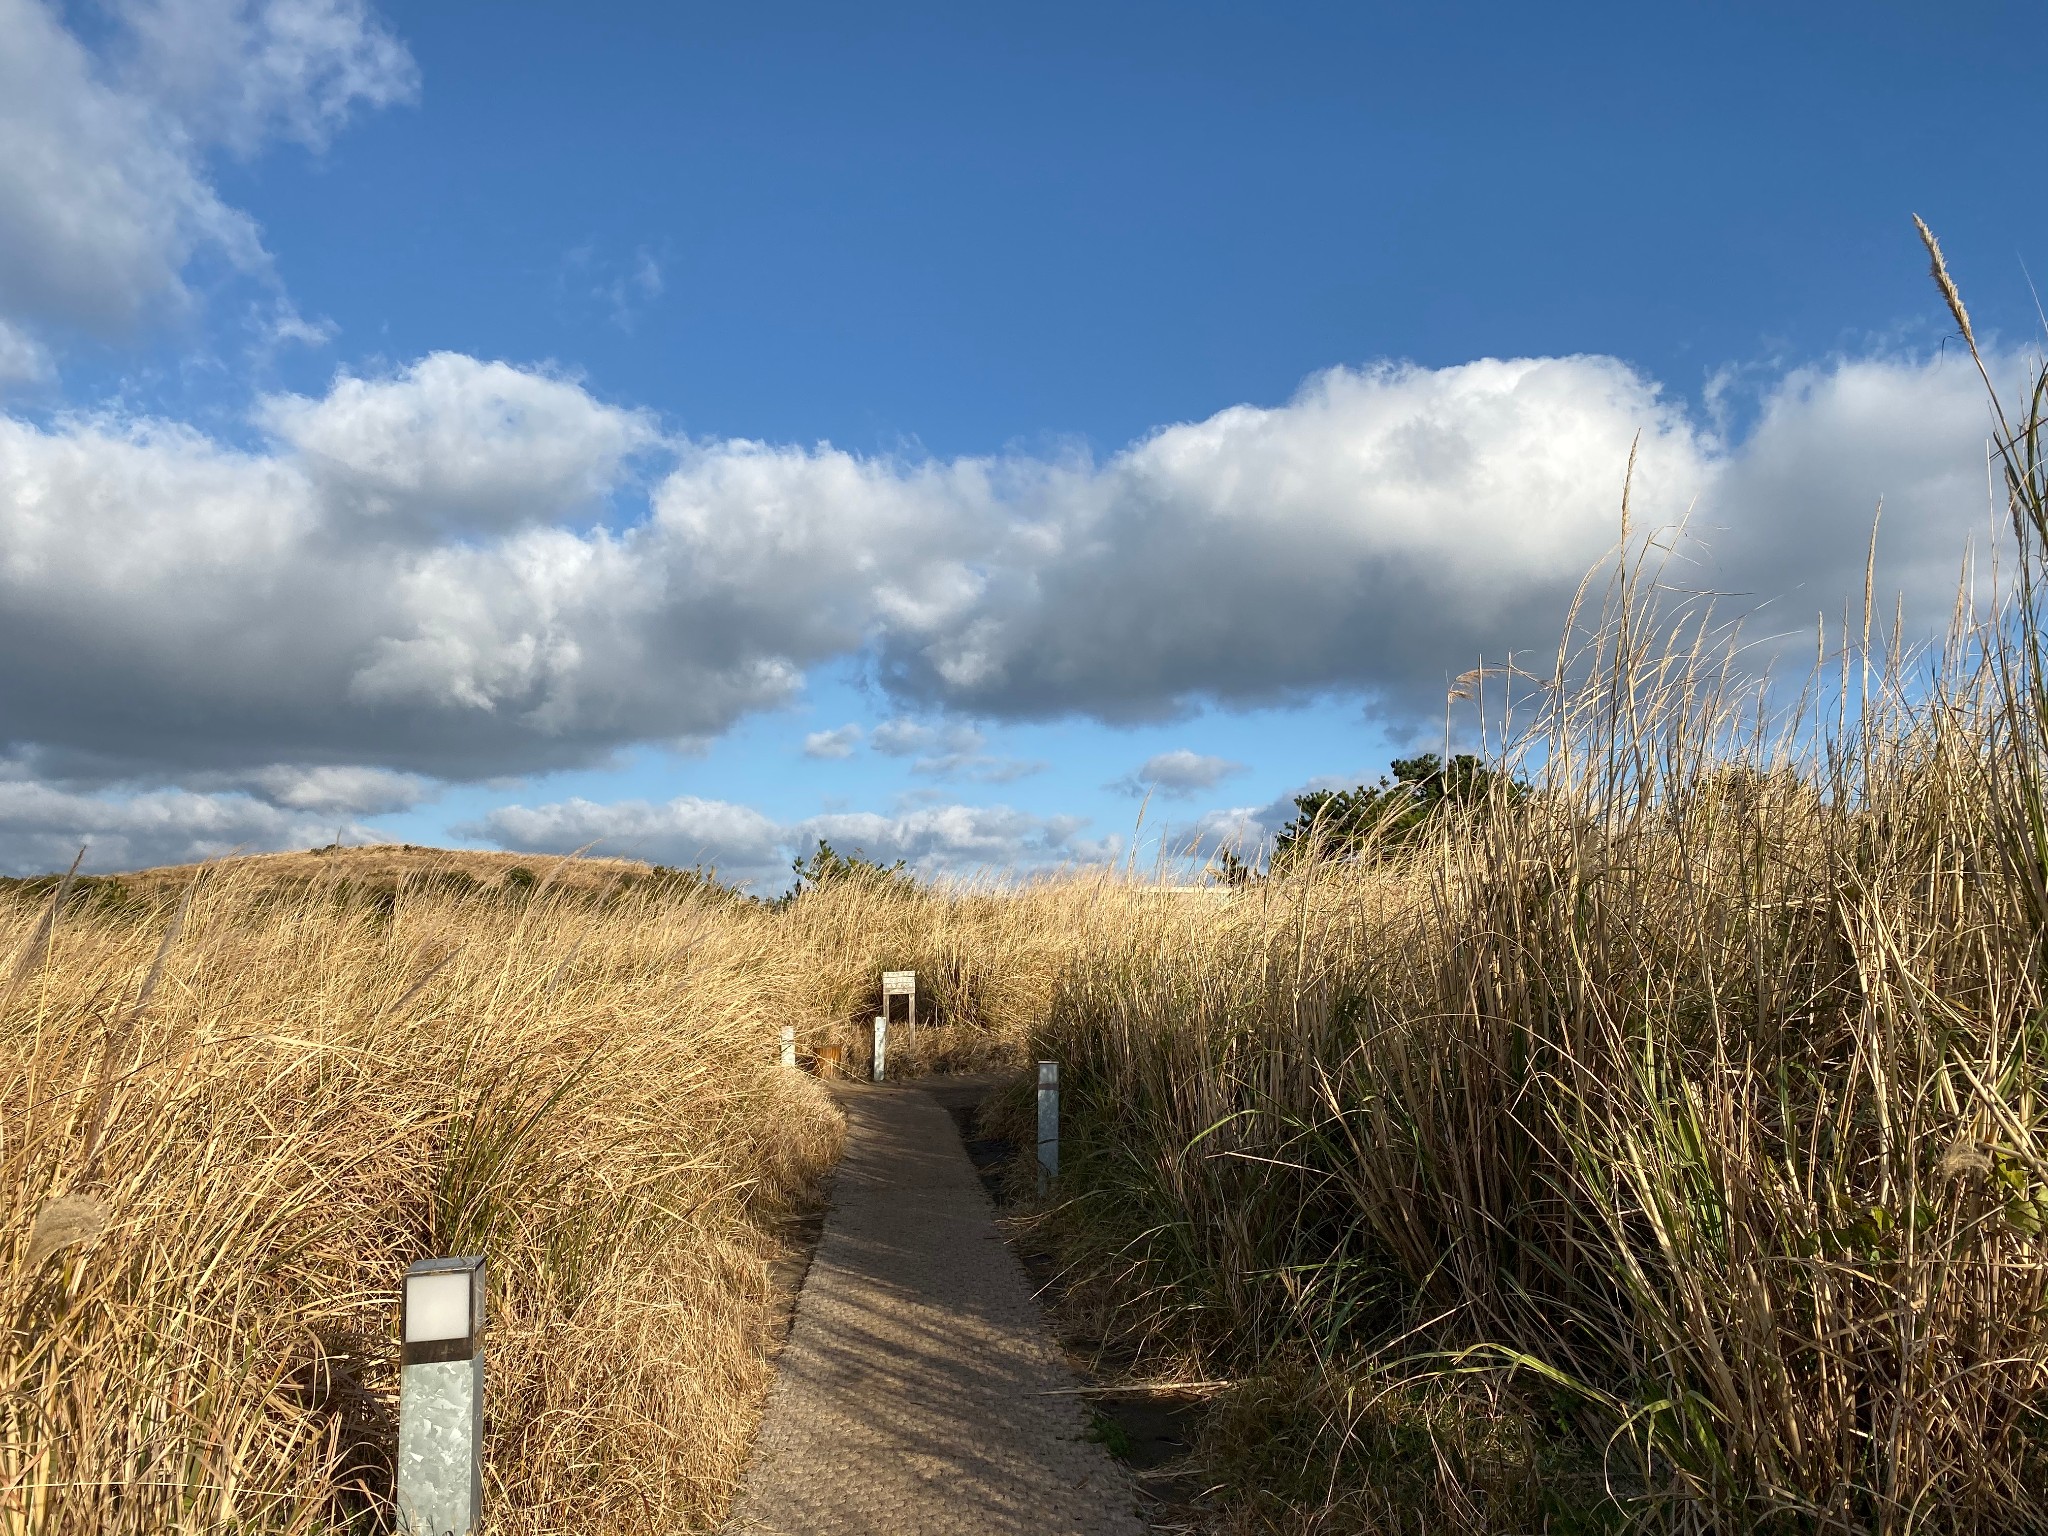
{"x":1244,"y":829}
{"x":1180,"y":772}
{"x":328,"y":789}
{"x":959,"y":838}
{"x":746,"y":845}
{"x":683,"y":831}
{"x":1375,"y":536}
{"x":427,"y":573}
{"x":1388,"y":528}
{"x":104,"y":192}
{"x":838,"y":742}
{"x":176,"y":605}
{"x":949,"y":750}
{"x":456,"y":446}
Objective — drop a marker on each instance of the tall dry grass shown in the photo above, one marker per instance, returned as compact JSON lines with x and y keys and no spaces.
{"x":988,"y":957}
{"x":223,"y":1133}
{"x":1662,"y":1148}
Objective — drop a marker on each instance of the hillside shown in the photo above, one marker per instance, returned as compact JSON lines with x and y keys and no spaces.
{"x":384,"y":868}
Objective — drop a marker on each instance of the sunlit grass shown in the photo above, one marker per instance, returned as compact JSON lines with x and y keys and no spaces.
{"x":317,"y":1091}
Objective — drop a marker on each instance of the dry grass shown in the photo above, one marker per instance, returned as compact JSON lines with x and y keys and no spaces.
{"x":1664,"y":1149}
{"x":988,"y":959}
{"x":210,"y":1181}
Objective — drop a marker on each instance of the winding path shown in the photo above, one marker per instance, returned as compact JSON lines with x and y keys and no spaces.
{"x":919,"y":1393}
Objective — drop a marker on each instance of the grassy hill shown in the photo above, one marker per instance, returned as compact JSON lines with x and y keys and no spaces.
{"x":378,"y":871}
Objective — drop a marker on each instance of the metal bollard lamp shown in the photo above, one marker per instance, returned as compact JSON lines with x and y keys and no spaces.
{"x":441,"y":1398}
{"x":1048,"y":1124}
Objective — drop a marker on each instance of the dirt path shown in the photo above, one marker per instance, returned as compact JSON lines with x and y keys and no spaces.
{"x":919,"y":1393}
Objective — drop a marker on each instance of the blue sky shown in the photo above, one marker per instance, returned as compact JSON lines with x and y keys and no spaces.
{"x":701,"y":431}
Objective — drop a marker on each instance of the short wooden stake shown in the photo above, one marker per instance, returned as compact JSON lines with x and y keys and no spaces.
{"x":1048,"y":1124}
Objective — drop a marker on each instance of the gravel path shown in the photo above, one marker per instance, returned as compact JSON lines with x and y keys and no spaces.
{"x":910,"y":1399}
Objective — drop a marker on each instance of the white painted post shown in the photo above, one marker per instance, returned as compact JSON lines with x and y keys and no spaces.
{"x":1048,"y":1124}
{"x":881,"y":1044}
{"x":789,"y":1045}
{"x":902,"y":984}
{"x":441,"y":1398}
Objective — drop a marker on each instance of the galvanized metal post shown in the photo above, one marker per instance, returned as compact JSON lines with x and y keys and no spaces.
{"x":789,"y":1045}
{"x":1048,"y":1124}
{"x":441,"y":1398}
{"x":881,"y":1044}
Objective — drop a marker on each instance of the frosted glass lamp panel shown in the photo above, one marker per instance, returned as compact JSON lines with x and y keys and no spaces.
{"x":437,"y":1307}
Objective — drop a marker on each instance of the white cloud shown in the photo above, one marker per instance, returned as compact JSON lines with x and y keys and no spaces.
{"x":748,"y":846}
{"x":240,"y":72}
{"x":684,"y":831}
{"x":454,"y":445}
{"x":910,"y":738}
{"x":1245,"y":829}
{"x":940,"y":751}
{"x":949,"y":750}
{"x":104,"y":191}
{"x":1375,"y":533}
{"x":327,"y":789}
{"x":171,"y":604}
{"x":1179,"y":772}
{"x":424,"y":572}
{"x":101,"y":199}
{"x":1375,"y":536}
{"x":631,"y":291}
{"x":838,"y":742}
{"x":956,"y":838}
{"x":280,"y":325}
